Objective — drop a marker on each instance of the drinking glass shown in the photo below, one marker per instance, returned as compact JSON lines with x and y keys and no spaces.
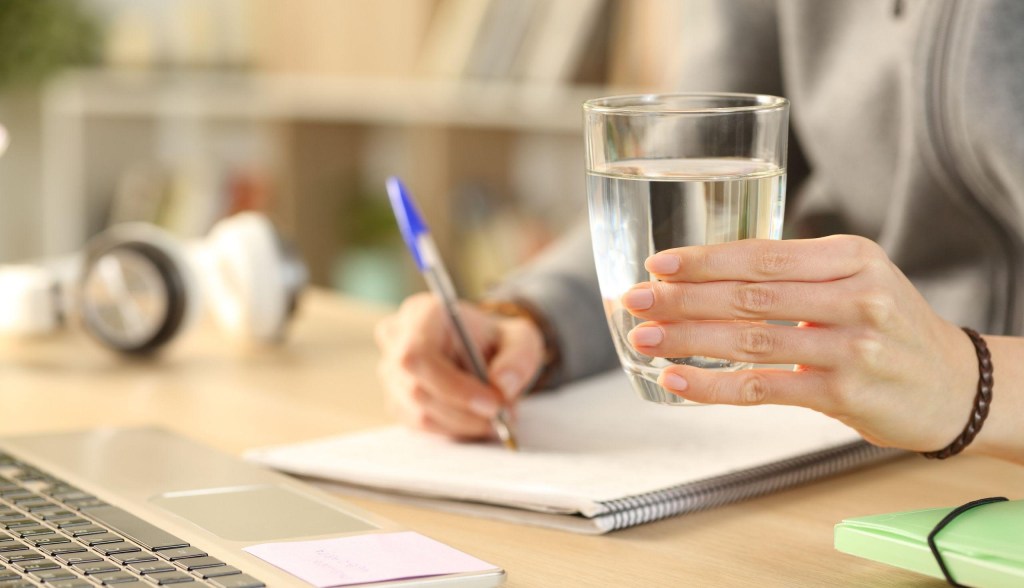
{"x":666,"y":171}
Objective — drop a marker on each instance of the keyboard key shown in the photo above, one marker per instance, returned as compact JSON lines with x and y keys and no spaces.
{"x":51,"y":539}
{"x":37,"y":566}
{"x":62,"y":548}
{"x":5,"y":538}
{"x":54,"y":575}
{"x":180,"y":553}
{"x":197,"y":563}
{"x":59,"y":514}
{"x":73,"y":559}
{"x":164,"y":578}
{"x":17,"y":523}
{"x":33,"y":501}
{"x":32,"y":531}
{"x":78,"y":583}
{"x":10,"y":515}
{"x":17,"y":584}
{"x":85,"y":503}
{"x":131,"y":558}
{"x":155,"y":567}
{"x":13,"y":557}
{"x":94,"y":540}
{"x":114,"y":578}
{"x":12,"y":546}
{"x":100,"y":567}
{"x":136,"y":529}
{"x":114,"y":548}
{"x":17,"y":493}
{"x":76,"y":522}
{"x":237,"y":581}
{"x":9,"y":575}
{"x":207,"y":573}
{"x":86,"y":530}
{"x":65,"y":493}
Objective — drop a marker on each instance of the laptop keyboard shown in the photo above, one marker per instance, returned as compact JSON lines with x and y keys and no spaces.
{"x":55,"y":535}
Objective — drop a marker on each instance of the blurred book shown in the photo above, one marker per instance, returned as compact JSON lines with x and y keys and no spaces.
{"x":448,"y":43}
{"x":500,"y":38}
{"x":645,"y":44}
{"x":554,"y":49}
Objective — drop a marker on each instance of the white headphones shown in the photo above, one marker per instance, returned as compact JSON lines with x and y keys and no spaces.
{"x":135,"y":287}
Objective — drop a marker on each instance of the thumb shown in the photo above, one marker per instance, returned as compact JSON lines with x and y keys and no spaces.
{"x":518,"y":356}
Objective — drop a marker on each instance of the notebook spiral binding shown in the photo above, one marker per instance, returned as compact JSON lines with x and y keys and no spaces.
{"x":677,"y":500}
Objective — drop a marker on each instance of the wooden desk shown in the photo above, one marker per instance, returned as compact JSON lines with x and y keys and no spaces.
{"x":323,"y":382}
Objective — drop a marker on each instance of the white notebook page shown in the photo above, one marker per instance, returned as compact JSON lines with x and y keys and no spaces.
{"x":590,"y":442}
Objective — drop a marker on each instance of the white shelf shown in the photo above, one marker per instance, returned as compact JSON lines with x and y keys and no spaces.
{"x":366,"y":100}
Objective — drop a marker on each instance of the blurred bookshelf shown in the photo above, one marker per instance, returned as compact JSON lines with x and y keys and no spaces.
{"x":474,"y":103}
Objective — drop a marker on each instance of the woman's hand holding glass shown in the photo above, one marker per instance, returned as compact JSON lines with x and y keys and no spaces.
{"x":869,"y":349}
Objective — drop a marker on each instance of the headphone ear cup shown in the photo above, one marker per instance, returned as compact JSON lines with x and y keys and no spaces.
{"x":129,"y":260}
{"x":245,"y":278}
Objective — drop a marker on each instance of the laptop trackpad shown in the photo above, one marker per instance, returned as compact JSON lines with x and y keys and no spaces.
{"x":260,"y":513}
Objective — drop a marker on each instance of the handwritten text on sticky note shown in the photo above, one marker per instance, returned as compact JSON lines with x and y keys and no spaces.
{"x":367,"y":558}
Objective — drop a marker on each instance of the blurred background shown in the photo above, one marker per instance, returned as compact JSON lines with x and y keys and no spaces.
{"x":179,"y":112}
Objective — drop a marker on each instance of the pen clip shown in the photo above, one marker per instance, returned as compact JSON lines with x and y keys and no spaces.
{"x":410,"y":223}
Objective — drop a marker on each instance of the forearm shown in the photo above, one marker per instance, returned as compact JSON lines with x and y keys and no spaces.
{"x":1003,"y":432}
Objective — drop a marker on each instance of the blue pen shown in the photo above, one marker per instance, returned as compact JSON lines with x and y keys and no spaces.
{"x":428,"y":261}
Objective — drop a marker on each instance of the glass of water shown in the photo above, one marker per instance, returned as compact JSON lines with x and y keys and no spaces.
{"x":666,"y":171}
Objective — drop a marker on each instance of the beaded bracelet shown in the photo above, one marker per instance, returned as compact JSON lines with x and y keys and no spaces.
{"x":982,"y":400}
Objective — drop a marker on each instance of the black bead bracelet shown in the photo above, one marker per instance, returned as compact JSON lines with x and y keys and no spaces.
{"x":982,"y":400}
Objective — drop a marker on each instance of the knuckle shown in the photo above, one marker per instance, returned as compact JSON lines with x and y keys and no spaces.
{"x":408,"y":358}
{"x":867,"y":351}
{"x":757,"y":341}
{"x":754,"y":389}
{"x":419,"y":303}
{"x":861,"y":247}
{"x":768,"y":261}
{"x":876,"y":308}
{"x":699,"y":258}
{"x":754,"y":300}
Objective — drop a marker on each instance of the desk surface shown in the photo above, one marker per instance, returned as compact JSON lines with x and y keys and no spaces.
{"x":323,"y":382}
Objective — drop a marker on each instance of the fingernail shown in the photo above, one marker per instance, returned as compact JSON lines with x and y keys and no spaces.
{"x":646,"y":336}
{"x":510,"y":383}
{"x":639,"y":298}
{"x":483,"y":406}
{"x":674,"y":382}
{"x":662,"y":263}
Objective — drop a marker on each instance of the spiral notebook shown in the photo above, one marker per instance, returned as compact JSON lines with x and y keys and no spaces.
{"x":594,"y":458}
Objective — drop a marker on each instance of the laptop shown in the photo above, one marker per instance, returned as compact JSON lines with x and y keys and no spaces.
{"x":145,"y":507}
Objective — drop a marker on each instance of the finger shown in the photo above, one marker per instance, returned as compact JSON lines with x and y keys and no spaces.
{"x":457,"y":423}
{"x":827,"y":303}
{"x":518,"y":356}
{"x":448,"y":384}
{"x":748,"y":387}
{"x":740,"y":341}
{"x":414,"y":407}
{"x":759,"y":260}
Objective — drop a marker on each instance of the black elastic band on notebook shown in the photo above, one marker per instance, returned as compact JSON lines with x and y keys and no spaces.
{"x":949,"y":519}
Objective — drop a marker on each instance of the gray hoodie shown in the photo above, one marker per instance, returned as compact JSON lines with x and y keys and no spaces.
{"x":908,"y":128}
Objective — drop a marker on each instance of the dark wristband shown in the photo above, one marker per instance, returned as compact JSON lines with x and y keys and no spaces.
{"x":982,"y":400}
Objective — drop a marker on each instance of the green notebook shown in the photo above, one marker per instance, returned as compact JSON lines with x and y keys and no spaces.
{"x":983,"y":547}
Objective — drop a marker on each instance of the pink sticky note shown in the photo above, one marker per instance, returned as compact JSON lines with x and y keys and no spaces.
{"x":367,"y":558}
